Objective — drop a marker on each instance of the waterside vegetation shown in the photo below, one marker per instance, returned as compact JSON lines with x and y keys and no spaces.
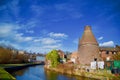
{"x":77,"y":69}
{"x":53,"y":58}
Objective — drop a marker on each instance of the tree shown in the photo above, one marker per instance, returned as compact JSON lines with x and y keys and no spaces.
{"x":116,"y":56}
{"x":5,"y":55}
{"x":54,"y":58}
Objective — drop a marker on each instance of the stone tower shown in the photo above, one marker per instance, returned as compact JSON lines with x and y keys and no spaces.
{"x":88,"y":48}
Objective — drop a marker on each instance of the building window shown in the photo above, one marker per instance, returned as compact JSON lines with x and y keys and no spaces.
{"x":112,"y":52}
{"x":107,"y":52}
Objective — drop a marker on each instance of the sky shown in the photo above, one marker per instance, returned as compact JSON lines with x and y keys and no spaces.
{"x":42,"y":25}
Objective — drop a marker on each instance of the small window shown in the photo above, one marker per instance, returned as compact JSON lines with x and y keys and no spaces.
{"x":112,"y":52}
{"x":95,"y":59}
{"x":107,"y":52}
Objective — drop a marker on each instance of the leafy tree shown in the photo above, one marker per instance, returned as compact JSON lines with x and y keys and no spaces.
{"x":54,"y":58}
{"x":116,"y":56}
{"x":5,"y":55}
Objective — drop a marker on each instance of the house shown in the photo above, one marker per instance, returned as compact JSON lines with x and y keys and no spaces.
{"x":106,"y":53}
{"x":74,"y":57}
{"x":62,"y":56}
{"x":61,"y":53}
{"x":21,"y":52}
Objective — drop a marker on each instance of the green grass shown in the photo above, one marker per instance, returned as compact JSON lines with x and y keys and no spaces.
{"x":12,"y":65}
{"x":4,"y":75}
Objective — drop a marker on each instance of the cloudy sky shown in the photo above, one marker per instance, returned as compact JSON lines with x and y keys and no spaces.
{"x":42,"y":25}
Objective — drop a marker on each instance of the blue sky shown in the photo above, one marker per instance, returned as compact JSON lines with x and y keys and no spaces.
{"x":42,"y":25}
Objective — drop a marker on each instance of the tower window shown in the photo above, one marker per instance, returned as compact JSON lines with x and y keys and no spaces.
{"x":95,"y":59}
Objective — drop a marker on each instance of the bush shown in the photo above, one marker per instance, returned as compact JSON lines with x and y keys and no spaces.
{"x":54,"y":58}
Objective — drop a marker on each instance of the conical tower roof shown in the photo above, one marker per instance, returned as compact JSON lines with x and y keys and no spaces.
{"x":88,"y":47}
{"x":88,"y":37}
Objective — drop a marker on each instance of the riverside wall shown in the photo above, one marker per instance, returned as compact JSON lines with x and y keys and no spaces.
{"x":96,"y":74}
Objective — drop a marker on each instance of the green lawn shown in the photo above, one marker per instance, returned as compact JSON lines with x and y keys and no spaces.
{"x":12,"y":65}
{"x":4,"y":75}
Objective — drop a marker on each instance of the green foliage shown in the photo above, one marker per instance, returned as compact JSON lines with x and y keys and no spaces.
{"x":4,"y":75}
{"x":54,"y":57}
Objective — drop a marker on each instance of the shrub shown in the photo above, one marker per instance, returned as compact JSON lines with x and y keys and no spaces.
{"x":54,"y":57}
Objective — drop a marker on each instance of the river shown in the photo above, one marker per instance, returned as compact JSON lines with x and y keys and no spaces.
{"x":38,"y":73}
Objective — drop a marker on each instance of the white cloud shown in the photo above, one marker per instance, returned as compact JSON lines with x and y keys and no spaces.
{"x":43,"y":48}
{"x":9,"y":44}
{"x":10,"y":31}
{"x":107,"y":44}
{"x":47,"y":41}
{"x":52,"y":46}
{"x":37,"y":40}
{"x":57,"y":35}
{"x":29,"y":31}
{"x":28,"y":38}
{"x":100,"y":38}
{"x":46,"y":44}
{"x":4,"y":31}
{"x":7,"y":30}
{"x":20,"y":38}
{"x":10,"y":35}
{"x":18,"y":34}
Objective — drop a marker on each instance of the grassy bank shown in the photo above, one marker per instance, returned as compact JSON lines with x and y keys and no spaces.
{"x":4,"y":75}
{"x":15,"y":65}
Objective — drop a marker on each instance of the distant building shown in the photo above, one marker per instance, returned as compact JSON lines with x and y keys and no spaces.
{"x":40,"y":58}
{"x":61,"y":53}
{"x":107,"y":52}
{"x":62,"y":56}
{"x":74,"y":57}
{"x":21,"y":52}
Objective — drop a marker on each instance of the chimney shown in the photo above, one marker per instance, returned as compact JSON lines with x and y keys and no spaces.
{"x":88,"y":37}
{"x":88,"y":48}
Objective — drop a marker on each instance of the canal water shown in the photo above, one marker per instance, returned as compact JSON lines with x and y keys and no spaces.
{"x":38,"y":73}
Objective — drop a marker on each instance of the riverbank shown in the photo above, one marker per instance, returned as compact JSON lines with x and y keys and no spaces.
{"x":95,"y":74}
{"x":6,"y":68}
{"x":14,"y":67}
{"x":4,"y":75}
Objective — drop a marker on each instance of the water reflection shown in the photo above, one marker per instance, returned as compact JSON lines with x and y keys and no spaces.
{"x":20,"y":72}
{"x":38,"y":73}
{"x":50,"y":75}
